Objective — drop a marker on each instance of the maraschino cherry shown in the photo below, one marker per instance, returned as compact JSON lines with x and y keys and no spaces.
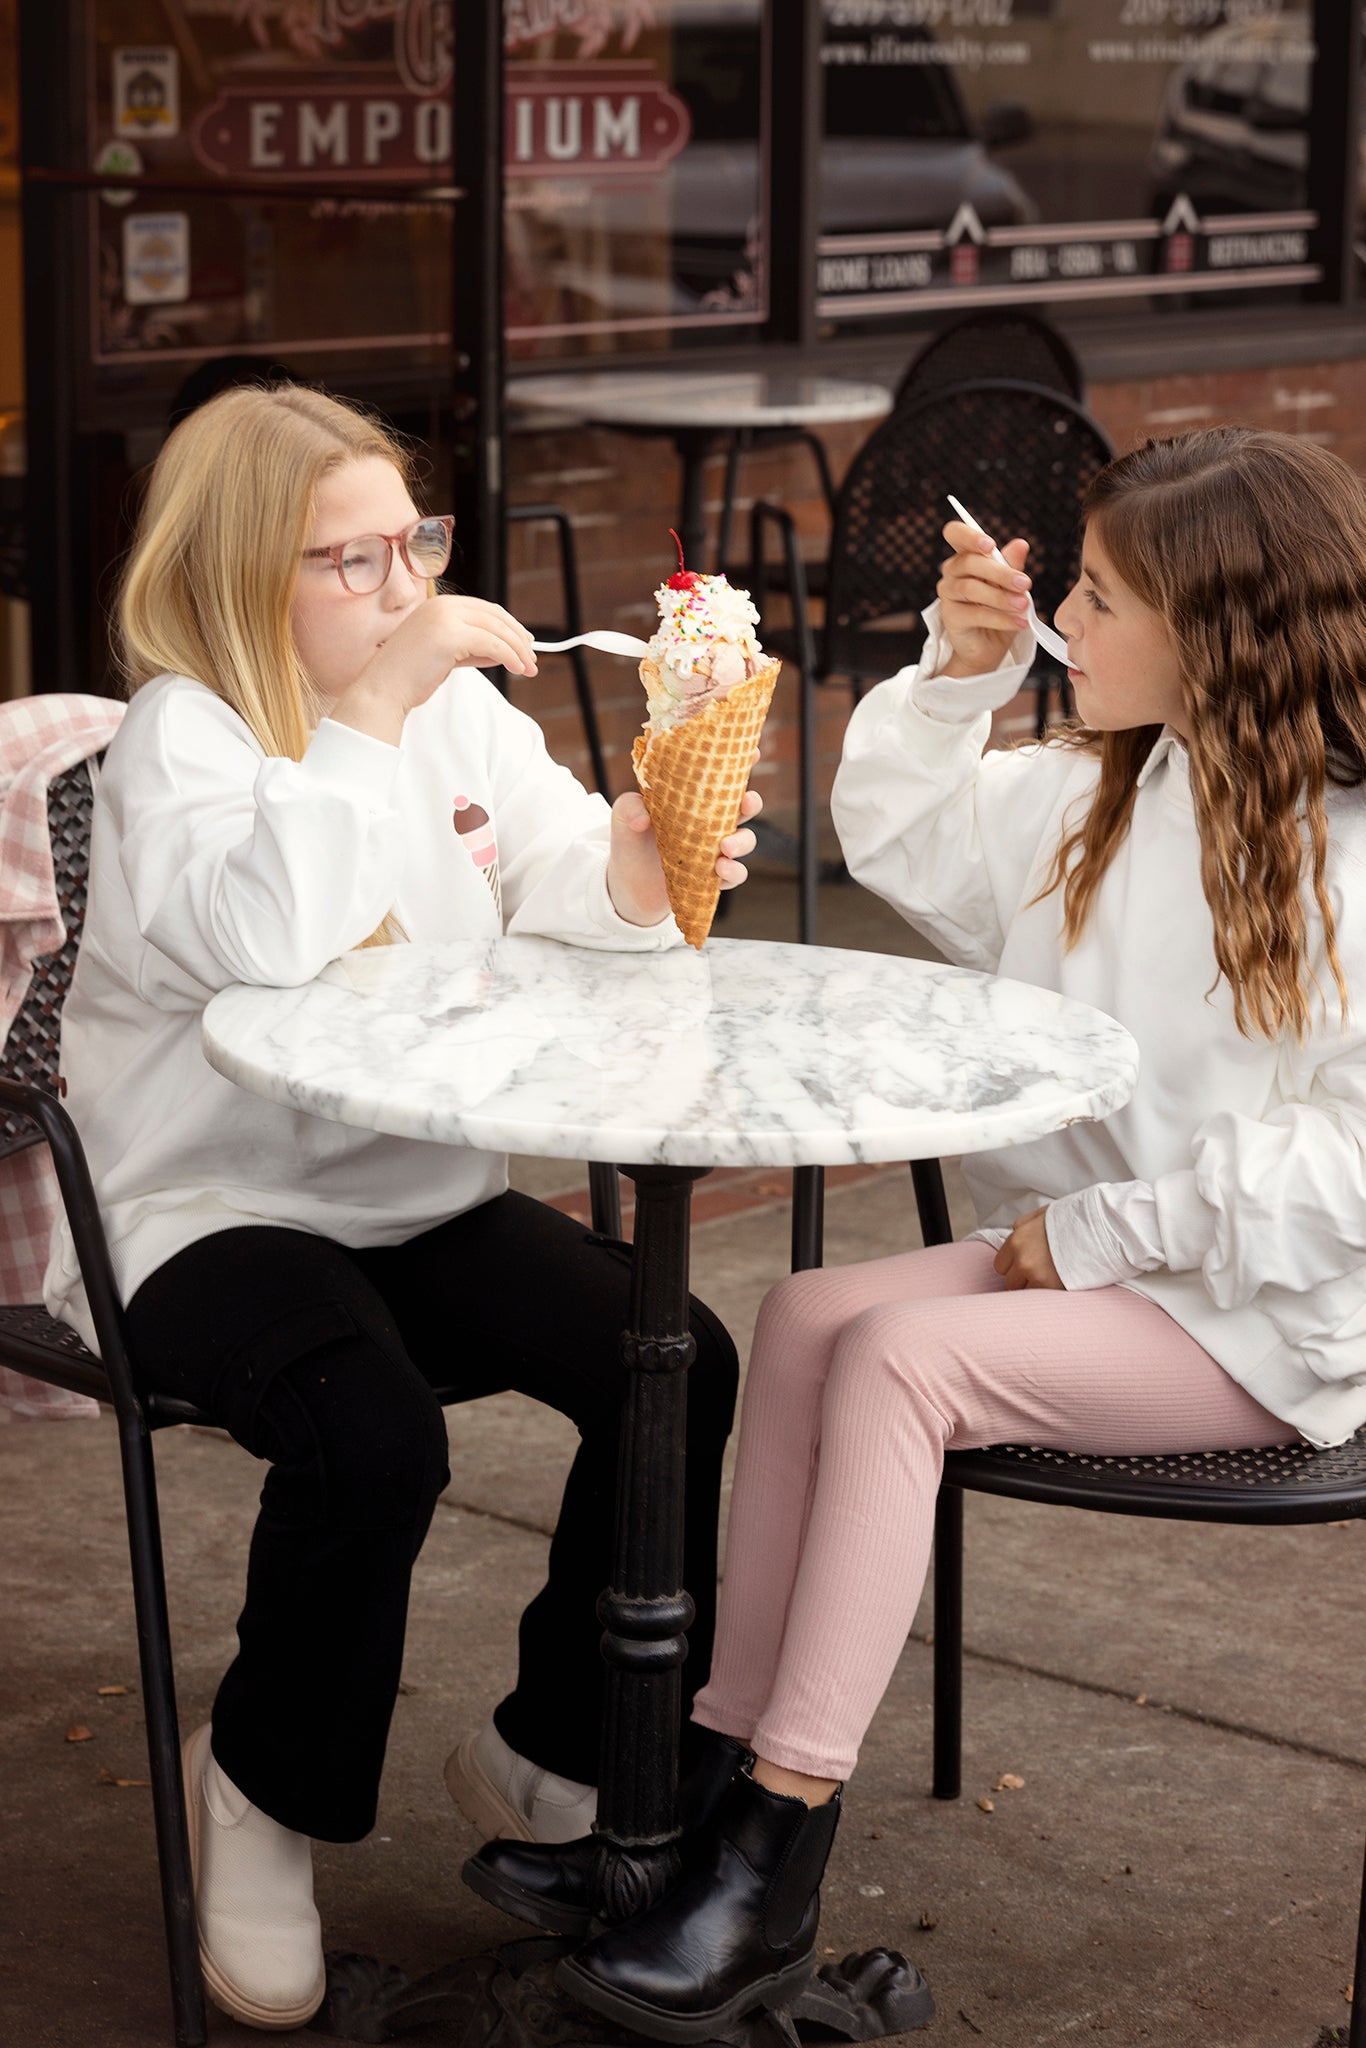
{"x":683,"y":579}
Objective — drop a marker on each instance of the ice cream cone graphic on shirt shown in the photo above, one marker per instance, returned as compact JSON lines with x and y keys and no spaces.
{"x":476,"y":836}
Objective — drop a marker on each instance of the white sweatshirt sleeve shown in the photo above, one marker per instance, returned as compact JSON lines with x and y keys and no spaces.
{"x":1277,"y":1201}
{"x":554,"y":838}
{"x":247,"y":868}
{"x":947,"y":833}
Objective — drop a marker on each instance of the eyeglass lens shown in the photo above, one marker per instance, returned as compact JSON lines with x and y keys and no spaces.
{"x":365,"y":565}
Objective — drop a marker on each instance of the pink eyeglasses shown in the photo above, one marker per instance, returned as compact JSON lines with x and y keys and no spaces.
{"x":364,"y":564}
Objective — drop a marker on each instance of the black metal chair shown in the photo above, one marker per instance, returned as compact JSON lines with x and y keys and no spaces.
{"x":1277,"y":1487}
{"x":32,"y":1342}
{"x":556,"y":516}
{"x":994,"y":342}
{"x":1019,"y":456}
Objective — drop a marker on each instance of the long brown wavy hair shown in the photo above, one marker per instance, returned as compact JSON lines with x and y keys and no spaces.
{"x":1252,"y":546}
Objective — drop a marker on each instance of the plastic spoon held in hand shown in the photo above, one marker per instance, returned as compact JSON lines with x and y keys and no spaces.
{"x":1051,"y":642}
{"x":605,"y":642}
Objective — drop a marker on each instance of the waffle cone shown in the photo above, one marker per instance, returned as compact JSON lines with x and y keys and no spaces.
{"x":692,"y":778}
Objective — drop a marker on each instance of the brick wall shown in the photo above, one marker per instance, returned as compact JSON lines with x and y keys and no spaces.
{"x":622,"y":495}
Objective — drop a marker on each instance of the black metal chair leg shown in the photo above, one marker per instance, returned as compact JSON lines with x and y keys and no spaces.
{"x":948,"y":1643}
{"x":808,"y":1217}
{"x":163,"y":1734}
{"x":604,"y":1188}
{"x":1356,"y":2033}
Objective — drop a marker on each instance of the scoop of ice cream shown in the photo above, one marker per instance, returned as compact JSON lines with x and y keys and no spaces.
{"x":704,"y":646}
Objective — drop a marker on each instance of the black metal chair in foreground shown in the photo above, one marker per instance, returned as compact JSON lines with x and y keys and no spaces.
{"x":32,"y":1342}
{"x":1277,"y":1487}
{"x":1020,"y":457}
{"x":572,"y":624}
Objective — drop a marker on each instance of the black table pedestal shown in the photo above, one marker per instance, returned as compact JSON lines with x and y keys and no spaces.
{"x":509,"y":1999}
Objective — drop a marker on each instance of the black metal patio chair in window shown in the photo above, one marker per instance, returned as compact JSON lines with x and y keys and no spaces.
{"x":32,"y":1342}
{"x":1018,"y":456}
{"x":994,"y":341}
{"x":1275,"y":1487}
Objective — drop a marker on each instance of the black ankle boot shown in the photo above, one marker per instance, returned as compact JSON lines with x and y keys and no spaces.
{"x":550,"y":1884}
{"x":737,"y":1932}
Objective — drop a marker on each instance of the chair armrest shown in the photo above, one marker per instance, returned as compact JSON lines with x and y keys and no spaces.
{"x":83,"y":1214}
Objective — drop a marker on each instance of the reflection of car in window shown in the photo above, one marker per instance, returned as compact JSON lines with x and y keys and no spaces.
{"x":1233,"y":134}
{"x":901,"y":151}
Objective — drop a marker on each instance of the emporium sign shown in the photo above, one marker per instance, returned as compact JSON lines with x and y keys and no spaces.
{"x":569,"y":120}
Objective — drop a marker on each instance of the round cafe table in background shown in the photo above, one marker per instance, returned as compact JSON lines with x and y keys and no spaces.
{"x":698,"y":409}
{"x":666,"y":1064}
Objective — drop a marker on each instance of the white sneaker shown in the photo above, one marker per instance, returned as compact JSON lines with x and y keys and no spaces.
{"x":503,"y":1794}
{"x":260,"y":1939}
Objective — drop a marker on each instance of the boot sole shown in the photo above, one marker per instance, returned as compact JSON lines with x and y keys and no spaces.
{"x":521,"y":1904}
{"x":479,"y":1799}
{"x":661,"y":2025}
{"x":225,"y":1994}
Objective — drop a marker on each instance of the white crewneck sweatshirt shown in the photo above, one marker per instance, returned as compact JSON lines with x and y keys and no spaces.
{"x":213,"y":863}
{"x":1231,"y":1189}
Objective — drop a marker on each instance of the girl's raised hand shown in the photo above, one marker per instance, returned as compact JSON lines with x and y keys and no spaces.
{"x":419,"y":652}
{"x":983,"y":603}
{"x":635,"y":879}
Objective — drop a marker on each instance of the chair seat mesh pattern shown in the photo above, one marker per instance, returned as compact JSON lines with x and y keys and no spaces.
{"x":1284,"y":1481}
{"x":31,"y":1047}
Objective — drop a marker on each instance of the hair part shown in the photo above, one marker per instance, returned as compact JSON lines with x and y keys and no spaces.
{"x":1271,"y":642}
{"x":209,"y":584}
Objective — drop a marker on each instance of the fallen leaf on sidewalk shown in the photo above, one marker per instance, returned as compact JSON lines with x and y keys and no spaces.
{"x":929,"y":1921}
{"x":987,"y":1805}
{"x":110,"y":1692}
{"x":78,"y":1734}
{"x":1008,"y":1782}
{"x":107,"y":1778}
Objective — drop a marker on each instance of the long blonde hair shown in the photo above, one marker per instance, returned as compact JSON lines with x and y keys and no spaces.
{"x":1252,"y":546}
{"x":209,"y":583}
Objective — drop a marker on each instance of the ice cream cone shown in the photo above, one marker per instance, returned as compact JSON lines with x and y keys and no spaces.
{"x":693,"y":777}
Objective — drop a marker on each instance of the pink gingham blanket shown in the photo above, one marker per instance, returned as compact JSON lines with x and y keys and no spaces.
{"x":40,"y":737}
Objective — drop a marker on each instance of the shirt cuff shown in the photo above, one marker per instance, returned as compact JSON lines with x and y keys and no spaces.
{"x":642,"y":937}
{"x":342,"y":757}
{"x":957,"y":700}
{"x":1104,"y":1235}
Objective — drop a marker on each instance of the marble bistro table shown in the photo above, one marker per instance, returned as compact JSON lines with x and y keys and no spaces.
{"x":668,"y":1064}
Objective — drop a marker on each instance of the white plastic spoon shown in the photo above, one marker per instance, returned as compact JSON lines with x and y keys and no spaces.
{"x":605,"y":642}
{"x":1051,"y":642}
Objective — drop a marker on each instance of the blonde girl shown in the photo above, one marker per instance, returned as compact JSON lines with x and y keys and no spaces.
{"x":311,"y":761}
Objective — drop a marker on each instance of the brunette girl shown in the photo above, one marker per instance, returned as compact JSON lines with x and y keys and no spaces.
{"x":1189,"y":856}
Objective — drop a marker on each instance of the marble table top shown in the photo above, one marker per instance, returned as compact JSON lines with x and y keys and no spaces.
{"x":675,"y":399}
{"x":746,"y":1054}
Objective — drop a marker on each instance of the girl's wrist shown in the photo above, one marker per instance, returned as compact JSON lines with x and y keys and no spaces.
{"x":368,"y":709}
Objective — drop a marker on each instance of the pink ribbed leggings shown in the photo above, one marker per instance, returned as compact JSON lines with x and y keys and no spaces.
{"x":860,"y":1378}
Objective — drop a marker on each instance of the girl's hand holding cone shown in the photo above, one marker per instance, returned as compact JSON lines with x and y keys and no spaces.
{"x":635,"y":877}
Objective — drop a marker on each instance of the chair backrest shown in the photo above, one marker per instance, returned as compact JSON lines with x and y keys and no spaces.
{"x":994,"y":343}
{"x":30,"y":1048}
{"x":1018,"y":456}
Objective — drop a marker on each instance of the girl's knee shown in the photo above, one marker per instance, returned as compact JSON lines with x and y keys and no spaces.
{"x":377,"y":1445}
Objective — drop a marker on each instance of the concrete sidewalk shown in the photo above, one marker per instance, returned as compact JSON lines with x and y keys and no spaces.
{"x":1185,"y":1706}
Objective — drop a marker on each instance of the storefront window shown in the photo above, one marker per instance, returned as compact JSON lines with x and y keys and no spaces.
{"x":634,"y":161}
{"x":1061,"y":150}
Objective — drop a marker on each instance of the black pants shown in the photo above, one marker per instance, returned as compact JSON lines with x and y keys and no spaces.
{"x":323,"y":1361}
